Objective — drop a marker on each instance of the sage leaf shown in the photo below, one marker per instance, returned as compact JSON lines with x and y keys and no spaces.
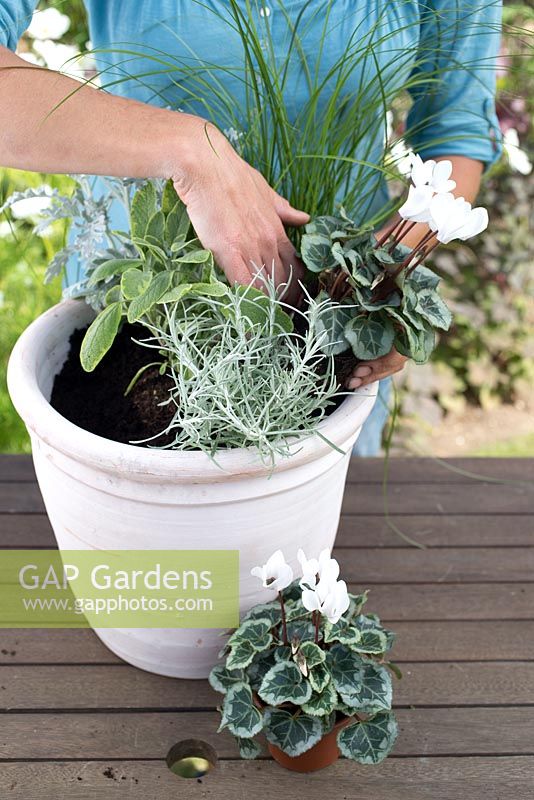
{"x":99,"y":336}
{"x":141,"y":305}
{"x":111,"y":268}
{"x":142,"y":209}
{"x":134,"y":282}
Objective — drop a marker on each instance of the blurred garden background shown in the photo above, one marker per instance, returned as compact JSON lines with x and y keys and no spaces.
{"x":476,"y":397}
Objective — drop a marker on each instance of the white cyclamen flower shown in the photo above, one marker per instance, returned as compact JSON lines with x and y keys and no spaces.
{"x":48,"y":24}
{"x":454,"y":218}
{"x":276,"y":574}
{"x":329,"y":597}
{"x":416,"y":207}
{"x":315,"y":569}
{"x":430,"y":173}
{"x":517,"y":158}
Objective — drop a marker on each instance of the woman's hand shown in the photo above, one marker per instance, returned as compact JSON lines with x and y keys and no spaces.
{"x":237,"y":215}
{"x":377,"y":370}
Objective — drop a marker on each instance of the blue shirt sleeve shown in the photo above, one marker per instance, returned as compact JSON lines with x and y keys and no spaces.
{"x":15,"y":17}
{"x":453,"y":111}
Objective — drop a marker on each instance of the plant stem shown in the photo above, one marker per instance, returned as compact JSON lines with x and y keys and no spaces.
{"x":383,"y":239}
{"x":283,"y":612}
{"x":400,"y":233}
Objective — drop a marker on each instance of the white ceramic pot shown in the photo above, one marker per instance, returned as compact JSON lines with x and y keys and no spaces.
{"x":101,"y":494}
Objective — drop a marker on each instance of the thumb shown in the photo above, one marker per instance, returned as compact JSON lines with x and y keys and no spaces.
{"x":288,"y":214}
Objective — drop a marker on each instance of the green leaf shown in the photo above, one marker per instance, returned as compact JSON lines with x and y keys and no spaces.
{"x":194,"y":257}
{"x":160,"y":284}
{"x":99,"y":336}
{"x":257,"y":307}
{"x":370,"y":337}
{"x":321,"y":704}
{"x":241,"y":655}
{"x":221,"y":678}
{"x":312,"y":654}
{"x":239,"y":714}
{"x":373,"y":642}
{"x":341,"y":631}
{"x":248,"y":748}
{"x":176,"y":293}
{"x":156,"y":227}
{"x":295,"y":733}
{"x":316,"y":252}
{"x":177,"y":225}
{"x":257,"y":632}
{"x":368,"y":742}
{"x":134,"y":282}
{"x":111,"y":268}
{"x":214,"y":289}
{"x":169,"y":198}
{"x":375,"y":693}
{"x":433,"y":309}
{"x":319,"y":677}
{"x":284,"y":684}
{"x":331,"y":324}
{"x":346,"y":669}
{"x":113,"y":295}
{"x":142,"y":209}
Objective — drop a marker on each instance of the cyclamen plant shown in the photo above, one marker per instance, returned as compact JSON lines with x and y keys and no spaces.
{"x":381,"y":294}
{"x":299,"y":664}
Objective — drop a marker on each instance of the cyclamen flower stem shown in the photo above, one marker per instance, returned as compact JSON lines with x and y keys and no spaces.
{"x":400,"y":233}
{"x":415,"y":251}
{"x":422,"y":257}
{"x":283,"y":612}
{"x":383,"y":239}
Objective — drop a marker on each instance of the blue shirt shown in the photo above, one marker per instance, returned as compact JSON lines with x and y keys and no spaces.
{"x":446,"y":48}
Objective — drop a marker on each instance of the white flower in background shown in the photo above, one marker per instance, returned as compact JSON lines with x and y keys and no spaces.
{"x":329,"y":597}
{"x":276,"y":574}
{"x":316,"y":569}
{"x":430,"y":173}
{"x":6,"y":229}
{"x":31,"y":58}
{"x":454,"y":218}
{"x":30,"y":207}
{"x":402,"y":157}
{"x":416,"y":207}
{"x":517,"y":158}
{"x":59,"y":57}
{"x":48,"y":24}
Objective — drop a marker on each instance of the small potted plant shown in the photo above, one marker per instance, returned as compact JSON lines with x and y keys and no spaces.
{"x":308,"y":670}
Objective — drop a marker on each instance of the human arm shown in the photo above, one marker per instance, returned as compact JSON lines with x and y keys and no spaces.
{"x":52,"y":123}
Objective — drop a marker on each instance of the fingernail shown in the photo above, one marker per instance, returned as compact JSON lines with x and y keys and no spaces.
{"x":355,"y":383}
{"x":362,"y":372}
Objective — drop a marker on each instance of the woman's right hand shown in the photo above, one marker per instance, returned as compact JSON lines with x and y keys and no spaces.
{"x":236,"y":214}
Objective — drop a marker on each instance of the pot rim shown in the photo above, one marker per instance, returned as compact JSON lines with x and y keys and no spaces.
{"x":37,"y":343}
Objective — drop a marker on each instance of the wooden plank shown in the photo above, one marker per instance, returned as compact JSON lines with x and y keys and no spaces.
{"x":436,"y":531}
{"x":416,"y":641}
{"x":423,"y":732}
{"x":448,"y":565}
{"x":448,"y":601}
{"x":420,"y":498}
{"x":368,"y":470}
{"x":400,"y":779}
{"x":412,"y":469}
{"x":26,"y":530}
{"x":439,"y":499}
{"x":112,"y":687}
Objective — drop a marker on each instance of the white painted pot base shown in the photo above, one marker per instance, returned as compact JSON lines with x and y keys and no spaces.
{"x":106,"y":495}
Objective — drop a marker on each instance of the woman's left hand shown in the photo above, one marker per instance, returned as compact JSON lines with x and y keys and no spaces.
{"x":376,"y":370}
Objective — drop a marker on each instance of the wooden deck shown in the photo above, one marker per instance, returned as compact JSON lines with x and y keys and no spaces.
{"x":78,"y":723}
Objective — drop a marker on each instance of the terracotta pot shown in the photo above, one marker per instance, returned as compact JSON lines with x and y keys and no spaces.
{"x":321,"y":755}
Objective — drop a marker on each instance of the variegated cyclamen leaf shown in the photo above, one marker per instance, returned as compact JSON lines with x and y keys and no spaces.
{"x":257,"y":632}
{"x":370,"y":741}
{"x":342,"y":631}
{"x":323,"y":703}
{"x":266,"y":611}
{"x":312,"y":654}
{"x":239,"y":714}
{"x":423,"y":278}
{"x":331,"y":325}
{"x":241,"y":655}
{"x":375,"y":692}
{"x":316,"y":252}
{"x":221,"y":678}
{"x":346,"y":669}
{"x":284,"y":683}
{"x":293,"y":733}
{"x":259,"y":667}
{"x":319,"y":677}
{"x":372,"y":642}
{"x":370,"y":337}
{"x":248,"y":748}
{"x":433,"y":309}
